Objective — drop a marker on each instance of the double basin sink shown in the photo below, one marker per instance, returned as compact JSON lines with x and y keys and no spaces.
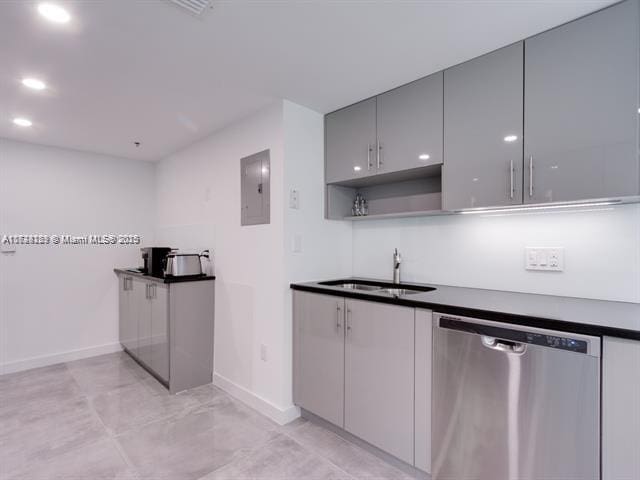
{"x":367,"y":286}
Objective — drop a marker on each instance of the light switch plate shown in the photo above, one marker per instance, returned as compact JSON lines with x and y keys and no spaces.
{"x":294,"y":199}
{"x":550,"y":259}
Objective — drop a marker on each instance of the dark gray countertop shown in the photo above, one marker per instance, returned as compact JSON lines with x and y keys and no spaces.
{"x":135,"y":273}
{"x":578,"y":315}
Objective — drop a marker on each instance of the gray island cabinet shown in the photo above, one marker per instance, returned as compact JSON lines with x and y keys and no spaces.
{"x":167,"y":327}
{"x":362,"y":366}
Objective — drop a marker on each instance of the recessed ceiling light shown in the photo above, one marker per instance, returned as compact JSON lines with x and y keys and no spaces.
{"x":22,"y":122}
{"x":54,"y":13}
{"x":357,"y":168}
{"x":34,"y":83}
{"x":510,"y":138}
{"x":424,"y":156}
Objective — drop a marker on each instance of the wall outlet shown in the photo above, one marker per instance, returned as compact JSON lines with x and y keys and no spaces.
{"x":294,"y":199}
{"x":549,"y":259}
{"x":263,"y":352}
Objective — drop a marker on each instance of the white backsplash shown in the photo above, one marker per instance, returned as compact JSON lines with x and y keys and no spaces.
{"x":602,"y":251}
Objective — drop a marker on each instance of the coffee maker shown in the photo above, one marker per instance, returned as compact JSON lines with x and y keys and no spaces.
{"x":153,"y":260}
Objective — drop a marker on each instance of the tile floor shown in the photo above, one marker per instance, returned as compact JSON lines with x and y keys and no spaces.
{"x":106,"y":418}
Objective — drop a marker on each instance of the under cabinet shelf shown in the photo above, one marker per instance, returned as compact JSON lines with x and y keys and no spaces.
{"x":382,"y":216}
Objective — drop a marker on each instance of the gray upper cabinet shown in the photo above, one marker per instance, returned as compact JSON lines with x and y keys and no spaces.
{"x":409,"y":126}
{"x":581,"y":108}
{"x":350,"y":138}
{"x":483,"y":109}
{"x":319,"y":355}
{"x":379,"y":383}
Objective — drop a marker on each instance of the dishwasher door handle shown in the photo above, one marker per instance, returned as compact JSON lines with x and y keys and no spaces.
{"x":503,"y":345}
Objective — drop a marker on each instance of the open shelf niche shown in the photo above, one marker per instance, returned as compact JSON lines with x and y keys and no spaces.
{"x":404,"y":194}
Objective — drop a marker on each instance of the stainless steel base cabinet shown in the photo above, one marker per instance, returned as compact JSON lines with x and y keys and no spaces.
{"x":513,"y":402}
{"x":168,"y":328}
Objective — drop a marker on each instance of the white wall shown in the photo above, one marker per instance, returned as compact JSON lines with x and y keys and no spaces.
{"x":602,"y":251}
{"x":60,"y":302}
{"x":198,"y":198}
{"x":326,"y":245}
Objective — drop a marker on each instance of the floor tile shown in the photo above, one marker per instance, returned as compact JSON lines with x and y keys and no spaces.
{"x":281,"y":458}
{"x":99,"y":460}
{"x":196,"y":444}
{"x":39,"y":385}
{"x":135,"y":405}
{"x":105,"y":373}
{"x":347,"y":456}
{"x":43,"y":431}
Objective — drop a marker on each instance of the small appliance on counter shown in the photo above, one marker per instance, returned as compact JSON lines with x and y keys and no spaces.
{"x":153,"y":258}
{"x":182,"y":264}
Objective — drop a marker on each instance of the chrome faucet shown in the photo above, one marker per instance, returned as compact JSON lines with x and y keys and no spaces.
{"x":397,"y":260}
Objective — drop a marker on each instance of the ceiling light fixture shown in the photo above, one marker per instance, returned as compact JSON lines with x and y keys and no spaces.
{"x":54,"y":13}
{"x":22,"y":122}
{"x":34,"y":83}
{"x":538,"y":207}
{"x":510,"y":138}
{"x":357,"y":168}
{"x":424,"y":156}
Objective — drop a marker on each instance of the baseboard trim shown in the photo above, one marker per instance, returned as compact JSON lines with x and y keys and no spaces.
{"x":279,"y":415}
{"x":46,"y":360}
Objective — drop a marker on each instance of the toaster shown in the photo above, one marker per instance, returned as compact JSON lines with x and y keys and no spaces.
{"x":182,"y":265}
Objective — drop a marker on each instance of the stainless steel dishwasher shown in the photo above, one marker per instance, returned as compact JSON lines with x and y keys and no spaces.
{"x":512,"y":402}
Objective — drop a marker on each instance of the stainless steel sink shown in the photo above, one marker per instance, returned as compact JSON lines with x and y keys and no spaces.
{"x":357,"y":286}
{"x":399,"y":292}
{"x":369,"y":286}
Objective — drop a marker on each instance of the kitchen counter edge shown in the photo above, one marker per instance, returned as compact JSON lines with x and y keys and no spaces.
{"x":124,"y":271}
{"x":461,"y":310}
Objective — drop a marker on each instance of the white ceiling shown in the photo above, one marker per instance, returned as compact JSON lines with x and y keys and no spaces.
{"x":145,"y":70}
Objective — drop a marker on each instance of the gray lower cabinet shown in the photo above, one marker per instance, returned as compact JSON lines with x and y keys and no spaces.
{"x":483,"y":108}
{"x":350,"y":142}
{"x":379,"y":356}
{"x":581,"y":108}
{"x":365,"y":367}
{"x":159,"y":339}
{"x":409,"y":126}
{"x":319,"y":355}
{"x":169,"y":328}
{"x":620,"y":409}
{"x":127,"y":318}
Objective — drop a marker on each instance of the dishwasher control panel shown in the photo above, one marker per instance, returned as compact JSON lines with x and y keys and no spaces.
{"x":563,"y":343}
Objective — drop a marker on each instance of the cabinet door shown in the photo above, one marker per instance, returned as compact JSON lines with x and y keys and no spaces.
{"x":483,"y":104}
{"x":422,"y":376}
{"x":620,"y":409}
{"x":142,"y":312}
{"x":127,"y":322}
{"x":410,"y":125}
{"x":581,"y":108}
{"x":350,"y":138}
{"x":379,"y":362}
{"x":319,"y":355}
{"x":159,"y":330}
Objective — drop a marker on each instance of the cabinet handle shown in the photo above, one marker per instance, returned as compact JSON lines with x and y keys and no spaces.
{"x":369,"y":157}
{"x":146,"y":291}
{"x":347,"y":319}
{"x":531,"y":175}
{"x":378,"y":150}
{"x":511,"y":192}
{"x":155,"y":291}
{"x":338,"y":315}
